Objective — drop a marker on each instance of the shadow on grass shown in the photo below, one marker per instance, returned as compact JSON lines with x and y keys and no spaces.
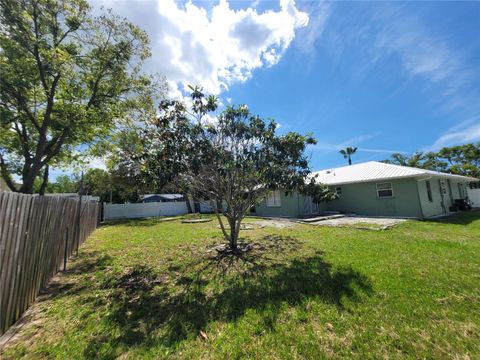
{"x":151,"y":221}
{"x":147,"y":308}
{"x":138,"y":222}
{"x":86,"y":264}
{"x":461,"y":218}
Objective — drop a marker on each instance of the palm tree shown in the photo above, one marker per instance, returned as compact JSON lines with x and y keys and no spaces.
{"x":348,"y":152}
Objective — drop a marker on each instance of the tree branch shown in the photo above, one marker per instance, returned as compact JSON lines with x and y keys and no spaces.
{"x":36,"y":51}
{"x":21,"y":102}
{"x":22,"y":133}
{"x":57,"y":147}
{"x":50,"y":103}
{"x":215,"y":208}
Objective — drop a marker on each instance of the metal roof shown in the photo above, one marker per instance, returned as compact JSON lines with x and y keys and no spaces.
{"x":374,"y":170}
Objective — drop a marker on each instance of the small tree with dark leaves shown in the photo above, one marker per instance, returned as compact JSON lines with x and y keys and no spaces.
{"x":233,"y":162}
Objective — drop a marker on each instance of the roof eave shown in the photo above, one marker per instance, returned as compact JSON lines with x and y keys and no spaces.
{"x":424,"y":176}
{"x":369,"y":180}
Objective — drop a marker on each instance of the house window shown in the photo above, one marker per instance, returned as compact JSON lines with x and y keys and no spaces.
{"x":384,"y":190}
{"x":273,"y":199}
{"x":443,"y":188}
{"x":338,"y":190}
{"x":429,"y":191}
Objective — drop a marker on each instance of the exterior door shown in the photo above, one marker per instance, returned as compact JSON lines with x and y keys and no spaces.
{"x":446,"y":196}
{"x":310,"y":207}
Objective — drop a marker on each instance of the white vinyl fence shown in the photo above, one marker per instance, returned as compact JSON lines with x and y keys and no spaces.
{"x":141,"y":210}
{"x":206,"y":207}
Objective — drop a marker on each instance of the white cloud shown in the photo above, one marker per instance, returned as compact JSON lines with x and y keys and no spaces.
{"x":222,"y":46}
{"x":309,"y":35}
{"x":354,"y":142}
{"x":465,"y":132}
{"x":381,"y":151}
{"x":211,"y":46}
{"x":427,"y":55}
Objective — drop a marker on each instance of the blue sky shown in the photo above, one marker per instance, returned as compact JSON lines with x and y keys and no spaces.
{"x":383,"y":76}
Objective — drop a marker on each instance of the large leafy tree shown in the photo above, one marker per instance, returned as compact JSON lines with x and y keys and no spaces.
{"x":347,"y":153}
{"x":125,"y":163}
{"x":66,"y":77}
{"x":62,"y":184}
{"x":461,"y":160}
{"x":109,"y":186}
{"x":414,"y":160}
{"x":233,"y":162}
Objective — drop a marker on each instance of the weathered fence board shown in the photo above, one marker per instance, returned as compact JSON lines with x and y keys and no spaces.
{"x":37,"y":235}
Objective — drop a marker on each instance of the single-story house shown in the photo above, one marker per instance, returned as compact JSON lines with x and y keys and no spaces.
{"x":375,"y":189}
{"x":149,"y":198}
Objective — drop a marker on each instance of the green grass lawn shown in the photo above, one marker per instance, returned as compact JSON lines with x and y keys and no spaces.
{"x":151,"y":289}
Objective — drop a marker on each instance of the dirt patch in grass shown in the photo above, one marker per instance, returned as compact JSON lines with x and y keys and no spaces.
{"x":279,"y":224}
{"x":369,"y":223}
{"x":194,"y":221}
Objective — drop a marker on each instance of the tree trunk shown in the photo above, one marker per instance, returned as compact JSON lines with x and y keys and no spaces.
{"x":44,"y":182}
{"x":28,"y":178}
{"x":349,"y":160}
{"x":233,"y":233}
{"x":189,"y":206}
{"x":233,"y":238}
{"x":219,"y":218}
{"x":27,"y":187}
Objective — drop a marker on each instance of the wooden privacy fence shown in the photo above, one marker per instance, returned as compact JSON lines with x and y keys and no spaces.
{"x":37,"y":235}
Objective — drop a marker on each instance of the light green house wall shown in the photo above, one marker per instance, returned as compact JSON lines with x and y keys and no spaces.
{"x":410,"y":199}
{"x":292,"y":205}
{"x":362,"y":198}
{"x":435,"y":207}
